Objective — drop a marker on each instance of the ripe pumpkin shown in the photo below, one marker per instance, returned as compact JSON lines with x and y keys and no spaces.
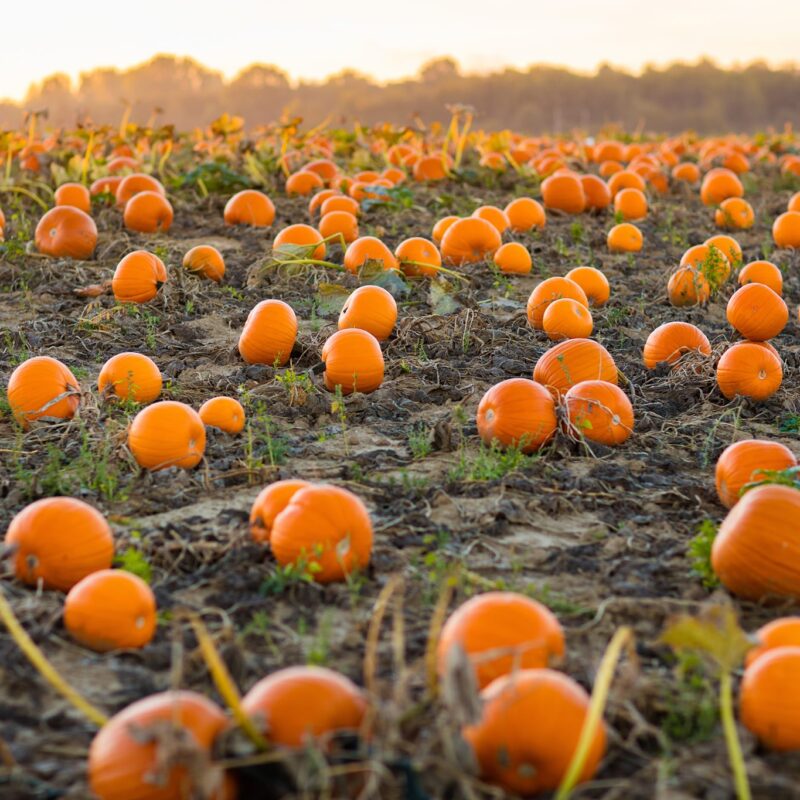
{"x":469,"y":241}
{"x":749,"y":369}
{"x":525,"y":213}
{"x":781,"y":632}
{"x":148,"y":212}
{"x":137,"y":182}
{"x":205,"y":260}
{"x":271,"y":500}
{"x":567,"y":319}
{"x":418,"y":256}
{"x":249,"y":207}
{"x":786,"y":230}
{"x":728,"y":246}
{"x":769,"y":698}
{"x":548,"y":291}
{"x":110,"y":610}
{"x":74,"y":194}
{"x":736,"y":213}
{"x":299,"y":705}
{"x":501,"y":633}
{"x":42,"y":387}
{"x":687,"y":172}
{"x":138,"y":277}
{"x":599,"y":411}
{"x":225,"y":413}
{"x":624,"y":238}
{"x":598,"y":195}
{"x":430,"y":168}
{"x":630,"y":204}
{"x":564,"y":192}
{"x":625,"y":179}
{"x":762,"y":272}
{"x":672,"y":340}
{"x":339,"y":223}
{"x":368,"y":249}
{"x":304,"y":183}
{"x":688,"y":287}
{"x":325,"y":531}
{"x":106,"y":186}
{"x":517,"y":413}
{"x":167,"y":434}
{"x":134,"y":757}
{"x":756,"y":553}
{"x":710,"y":261}
{"x":297,"y":241}
{"x":353,"y":360}
{"x":513,"y":258}
{"x":315,"y":203}
{"x":757,"y":312}
{"x":573,"y":361}
{"x":441,"y":227}
{"x":719,"y":185}
{"x":59,"y":540}
{"x":340,"y":202}
{"x":66,"y":232}
{"x":593,"y":282}
{"x":744,"y":461}
{"x":269,"y":333}
{"x":493,"y":215}
{"x":529,"y":730}
{"x":130,"y":376}
{"x":372,"y":309}
{"x":324,"y":167}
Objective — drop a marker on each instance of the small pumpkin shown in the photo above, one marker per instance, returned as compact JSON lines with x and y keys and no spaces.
{"x":624,"y":237}
{"x":148,"y":212}
{"x":368,"y":249}
{"x":469,"y":241}
{"x":786,"y":230}
{"x":42,"y":387}
{"x":340,"y":202}
{"x":137,"y":182}
{"x":525,"y":213}
{"x":138,"y":277}
{"x":441,"y":226}
{"x":225,"y":413}
{"x":324,"y":531}
{"x":593,"y":282}
{"x":110,"y":610}
{"x":757,"y":312}
{"x":513,"y":258}
{"x":418,"y":256}
{"x":567,"y":319}
{"x":744,"y":462}
{"x":599,"y":411}
{"x":205,"y":260}
{"x":493,"y":215}
{"x":372,"y":309}
{"x":339,"y":223}
{"x":762,"y":272}
{"x":298,"y":241}
{"x":249,"y":207}
{"x":130,"y":376}
{"x":710,"y":261}
{"x":271,"y":500}
{"x":74,"y":194}
{"x":167,"y":434}
{"x":688,"y":287}
{"x":669,"y":342}
{"x":353,"y":360}
{"x":564,"y":192}
{"x":548,"y":291}
{"x":748,"y":369}
{"x":59,"y":540}
{"x":303,"y":183}
{"x":573,"y":361}
{"x":269,"y":333}
{"x":781,"y":632}
{"x":66,"y":232}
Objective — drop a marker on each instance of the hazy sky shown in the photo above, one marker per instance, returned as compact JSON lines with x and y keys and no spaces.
{"x":314,"y":38}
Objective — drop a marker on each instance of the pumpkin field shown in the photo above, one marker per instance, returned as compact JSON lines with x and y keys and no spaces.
{"x":398,"y":462}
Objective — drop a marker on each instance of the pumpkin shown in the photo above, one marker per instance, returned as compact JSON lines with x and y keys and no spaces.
{"x":137,"y":182}
{"x":567,"y":319}
{"x":340,"y":203}
{"x":564,"y":192}
{"x":781,"y":632}
{"x":744,"y":462}
{"x":573,"y":361}
{"x":353,"y":360}
{"x":324,"y":167}
{"x":593,"y":282}
{"x":769,"y":698}
{"x":669,"y":342}
{"x":418,"y":256}
{"x":148,"y":212}
{"x":734,"y":212}
{"x":372,"y":309}
{"x":225,"y":413}
{"x":130,"y":376}
{"x":728,"y":246}
{"x":271,"y":500}
{"x":757,"y":312}
{"x":42,"y":387}
{"x":107,"y":187}
{"x":431,"y":168}
{"x":493,"y":215}
{"x":298,"y":706}
{"x":315,"y":203}
{"x":249,"y":207}
{"x":110,"y":610}
{"x":66,"y":232}
{"x":441,"y":227}
{"x":710,"y":261}
{"x":756,"y":553}
{"x":525,"y":213}
{"x":624,"y":238}
{"x":501,"y":632}
{"x":719,"y":185}
{"x":548,"y":291}
{"x":206,"y":261}
{"x":786,"y":230}
{"x":138,"y":277}
{"x":596,"y":191}
{"x":762,"y":272}
{"x":324,"y":531}
{"x":529,"y":730}
{"x":269,"y":333}
{"x":749,"y":370}
{"x":136,"y":756}
{"x":368,"y":249}
{"x":303,"y":183}
{"x":625,"y":179}
{"x":630,"y":204}
{"x":167,"y":434}
{"x":59,"y":540}
{"x":469,"y":241}
{"x":599,"y":411}
{"x":339,"y":223}
{"x":513,"y":258}
{"x":688,"y":287}
{"x":120,"y":164}
{"x":517,"y":413}
{"x":73,"y":194}
{"x":298,"y":241}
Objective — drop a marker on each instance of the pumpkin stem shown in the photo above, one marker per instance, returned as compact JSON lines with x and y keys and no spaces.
{"x":29,"y":194}
{"x":44,"y":667}
{"x":731,"y":739}
{"x":602,"y":684}
{"x":438,"y":268}
{"x":314,"y":261}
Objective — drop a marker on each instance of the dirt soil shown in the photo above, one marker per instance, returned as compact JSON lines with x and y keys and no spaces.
{"x":599,"y":535}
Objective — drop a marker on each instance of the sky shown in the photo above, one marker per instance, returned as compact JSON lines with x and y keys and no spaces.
{"x":316,"y":38}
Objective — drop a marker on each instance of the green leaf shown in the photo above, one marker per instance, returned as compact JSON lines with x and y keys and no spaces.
{"x":330,"y":299}
{"x":134,"y":561}
{"x":388,"y":279}
{"x":440,"y":298}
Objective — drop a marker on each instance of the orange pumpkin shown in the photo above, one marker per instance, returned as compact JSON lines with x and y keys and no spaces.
{"x":525,"y":213}
{"x":593,"y":282}
{"x":599,"y":411}
{"x":441,"y":226}
{"x":493,"y":215}
{"x":762,"y":272}
{"x":66,"y":232}
{"x":269,"y":333}
{"x":167,"y":434}
{"x":529,"y":730}
{"x":630,"y":204}
{"x":625,"y":179}
{"x":517,"y":413}
{"x":353,"y":360}
{"x":548,"y":291}
{"x":42,"y":387}
{"x":688,"y":287}
{"x":624,"y":238}
{"x":418,"y":256}
{"x":718,"y":185}
{"x":324,"y":531}
{"x":744,"y":462}
{"x":205,"y":260}
{"x":513,"y":258}
{"x":372,"y":309}
{"x":135,"y":756}
{"x":304,"y":183}
{"x":249,"y":207}
{"x":567,"y":319}
{"x":298,"y":241}
{"x":669,"y":342}
{"x":339,"y":223}
{"x":225,"y":413}
{"x":786,"y":230}
{"x":59,"y":541}
{"x":73,"y":194}
{"x":315,"y":203}
{"x":368,"y":249}
{"x":728,"y":246}
{"x":138,"y":277}
{"x":501,"y":633}
{"x":781,"y":632}
{"x":710,"y":261}
{"x":148,"y":212}
{"x":106,"y":186}
{"x":598,"y":195}
{"x":757,"y":312}
{"x":324,"y":167}
{"x":748,"y":369}
{"x":734,"y":212}
{"x":564,"y":192}
{"x":340,"y":203}
{"x":573,"y":361}
{"x":130,"y":376}
{"x":110,"y":610}
{"x":137,"y":182}
{"x":469,"y":241}
{"x":271,"y":500}
{"x":756,"y":553}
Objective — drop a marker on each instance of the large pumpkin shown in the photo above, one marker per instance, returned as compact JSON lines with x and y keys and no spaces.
{"x":744,"y":462}
{"x":269,"y":333}
{"x":167,"y":434}
{"x":353,"y":360}
{"x":42,"y":387}
{"x":672,"y":340}
{"x":749,"y":369}
{"x":573,"y":361}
